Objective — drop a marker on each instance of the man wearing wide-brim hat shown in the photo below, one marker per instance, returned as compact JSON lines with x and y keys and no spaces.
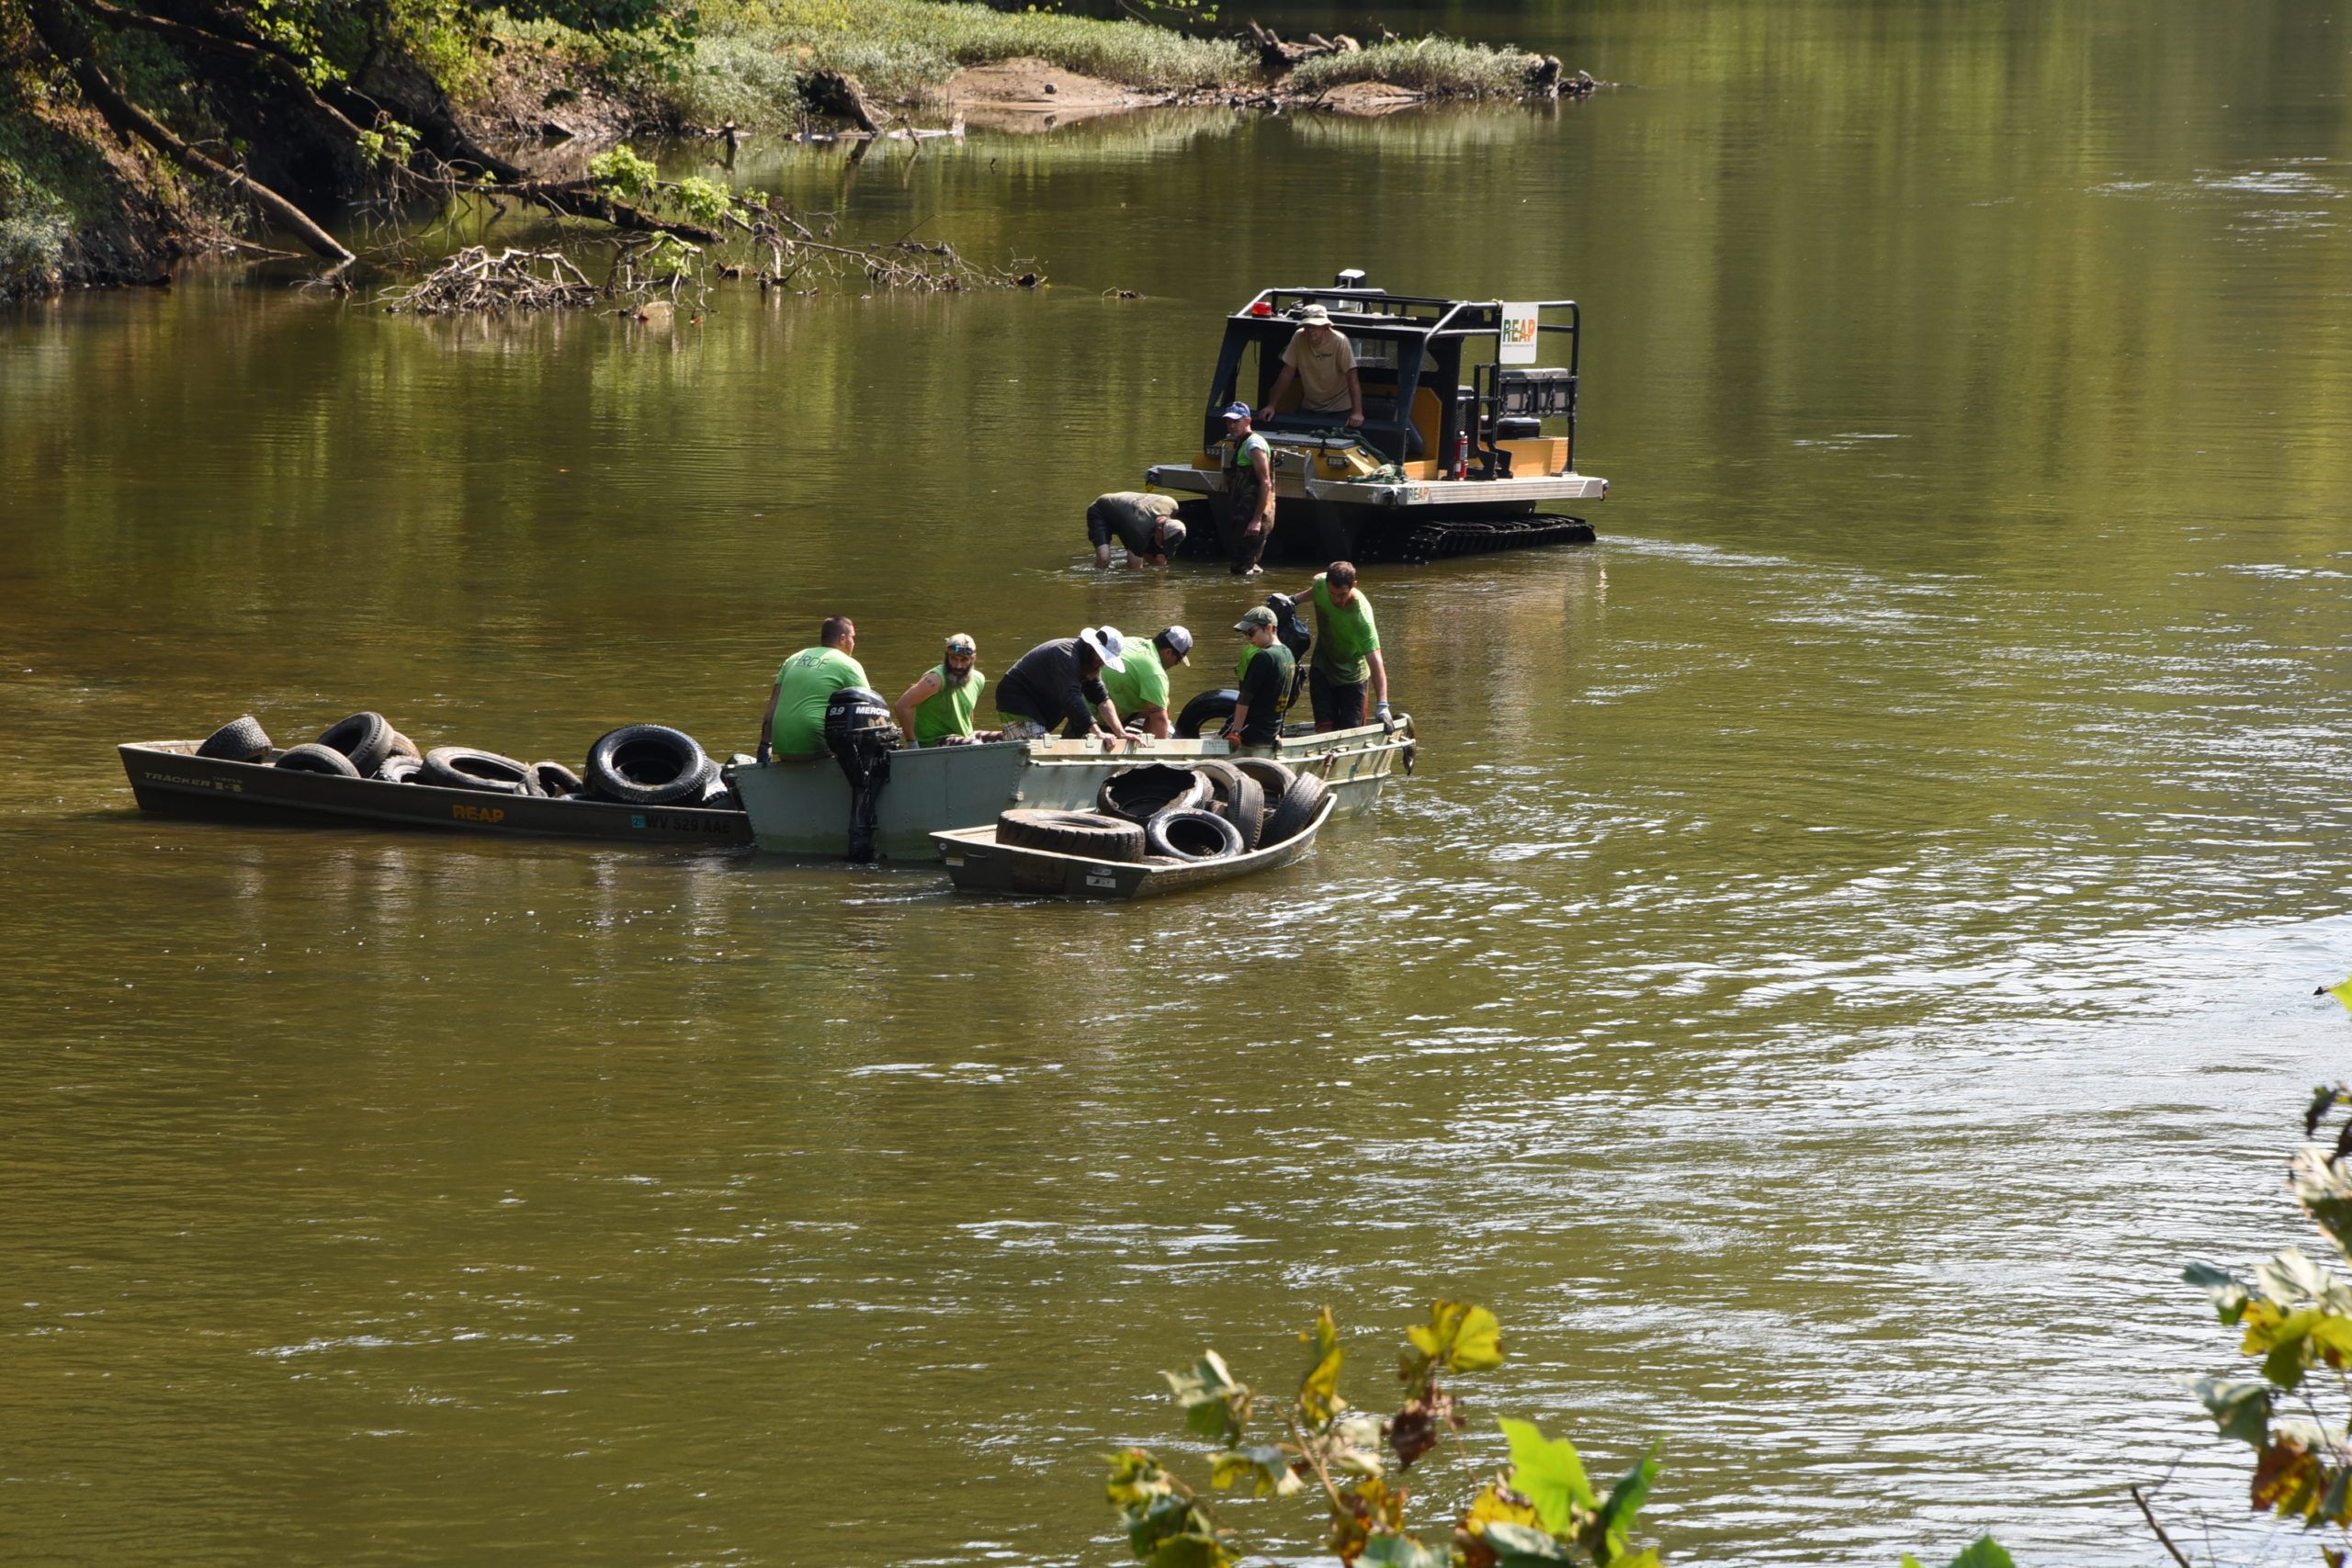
{"x":1324,"y":364}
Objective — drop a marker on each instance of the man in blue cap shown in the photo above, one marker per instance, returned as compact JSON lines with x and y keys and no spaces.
{"x":1248,"y":491}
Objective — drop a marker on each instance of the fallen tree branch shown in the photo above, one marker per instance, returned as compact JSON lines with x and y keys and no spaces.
{"x":63,"y":37}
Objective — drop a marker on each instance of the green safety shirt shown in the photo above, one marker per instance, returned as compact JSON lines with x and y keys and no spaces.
{"x":1241,"y":665}
{"x":1343,"y":637}
{"x":808,"y":681}
{"x":948,"y":711}
{"x":1137,"y":682}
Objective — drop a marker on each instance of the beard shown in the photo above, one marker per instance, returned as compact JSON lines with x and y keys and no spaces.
{"x":955,"y":677}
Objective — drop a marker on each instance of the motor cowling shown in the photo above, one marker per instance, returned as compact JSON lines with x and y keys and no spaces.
{"x":859,"y":734}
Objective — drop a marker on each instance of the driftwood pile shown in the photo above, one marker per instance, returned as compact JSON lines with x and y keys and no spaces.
{"x":473,"y":279}
{"x":1277,"y":56}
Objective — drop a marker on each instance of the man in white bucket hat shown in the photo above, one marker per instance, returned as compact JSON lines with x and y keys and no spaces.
{"x":1325,"y":365}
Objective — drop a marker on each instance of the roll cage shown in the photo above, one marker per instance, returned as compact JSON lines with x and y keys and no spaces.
{"x":1473,"y":412}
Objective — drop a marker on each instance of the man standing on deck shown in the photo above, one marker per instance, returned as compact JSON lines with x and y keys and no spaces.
{"x":1265,"y":682}
{"x":1062,"y":682}
{"x":1145,"y":523}
{"x":1324,"y":364}
{"x":1138,"y":680}
{"x":794,"y":724}
{"x":1347,"y":651}
{"x":937,"y":709}
{"x":1248,"y":491}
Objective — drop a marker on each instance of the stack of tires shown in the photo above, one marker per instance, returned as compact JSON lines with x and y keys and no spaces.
{"x":638,"y":764}
{"x":1196,"y":811}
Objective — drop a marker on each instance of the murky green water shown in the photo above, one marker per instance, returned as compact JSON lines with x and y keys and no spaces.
{"x":1850,"y":940}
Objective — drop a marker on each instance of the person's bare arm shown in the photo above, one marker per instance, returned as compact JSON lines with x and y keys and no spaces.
{"x":1379,"y":676}
{"x":767,"y":722}
{"x":914,"y":696}
{"x":1262,"y":462}
{"x":1281,"y":385}
{"x":1155,"y":725}
{"x":1355,"y":399}
{"x":1233,"y":726}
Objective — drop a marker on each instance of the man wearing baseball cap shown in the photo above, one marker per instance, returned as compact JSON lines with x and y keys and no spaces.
{"x":1265,"y":684}
{"x":1145,"y":523}
{"x":1062,"y":682}
{"x":937,"y":709}
{"x":1324,"y":364}
{"x":1249,"y":498}
{"x":1139,"y":682}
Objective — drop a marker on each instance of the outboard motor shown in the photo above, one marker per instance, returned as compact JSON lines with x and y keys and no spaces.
{"x":859,"y":734}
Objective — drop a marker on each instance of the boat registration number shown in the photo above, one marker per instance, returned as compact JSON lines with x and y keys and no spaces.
{"x":1101,"y":879}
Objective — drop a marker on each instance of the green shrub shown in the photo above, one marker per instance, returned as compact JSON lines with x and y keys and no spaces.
{"x":1441,"y":67}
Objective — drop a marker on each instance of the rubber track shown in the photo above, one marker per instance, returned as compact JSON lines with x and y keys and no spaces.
{"x":1482,"y":536}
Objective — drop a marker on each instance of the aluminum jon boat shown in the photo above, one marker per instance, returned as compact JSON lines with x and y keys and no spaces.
{"x":978,"y":863}
{"x":800,"y":806}
{"x":168,"y":776}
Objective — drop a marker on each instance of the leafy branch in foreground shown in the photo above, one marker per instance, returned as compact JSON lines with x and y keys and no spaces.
{"x":1541,"y":1511}
{"x":2297,"y":1317}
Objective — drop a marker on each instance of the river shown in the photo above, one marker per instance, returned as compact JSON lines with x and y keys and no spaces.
{"x":1850,"y":942}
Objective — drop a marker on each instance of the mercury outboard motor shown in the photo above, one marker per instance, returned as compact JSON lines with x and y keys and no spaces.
{"x":859,"y":734}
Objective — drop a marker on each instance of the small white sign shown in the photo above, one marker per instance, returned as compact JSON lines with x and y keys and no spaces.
{"x":1519,"y":334}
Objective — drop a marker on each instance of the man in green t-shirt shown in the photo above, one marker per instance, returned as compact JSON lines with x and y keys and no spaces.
{"x":937,"y":709}
{"x":794,"y":724}
{"x":1347,"y":651}
{"x":1138,"y":680}
{"x":1265,"y":683}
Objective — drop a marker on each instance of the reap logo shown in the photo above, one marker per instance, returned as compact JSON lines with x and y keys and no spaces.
{"x":1518,"y":331}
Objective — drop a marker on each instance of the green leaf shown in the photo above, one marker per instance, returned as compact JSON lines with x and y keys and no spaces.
{"x":2288,"y":1353}
{"x":1625,"y":1500}
{"x":1983,"y":1552}
{"x":1459,"y":1336}
{"x":1265,"y":1467}
{"x":1400,"y":1551}
{"x":1318,"y":1391}
{"x":1213,"y":1402}
{"x":1190,"y":1552}
{"x":2241,"y":1408}
{"x":1910,"y":1561}
{"x":1548,"y":1474}
{"x":1520,"y":1546}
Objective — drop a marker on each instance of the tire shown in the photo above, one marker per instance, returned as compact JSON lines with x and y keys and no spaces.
{"x":646,"y":764}
{"x":239,"y":740}
{"x":720,"y":796}
{"x":1239,"y":799}
{"x":1272,"y":777}
{"x":403,"y":747}
{"x":1207,"y":712}
{"x":398,"y":769}
{"x":1086,"y":833}
{"x":1141,"y":792}
{"x":317,"y":759}
{"x":556,"y":781}
{"x":365,"y":737}
{"x":462,"y":767}
{"x":1192,"y":834}
{"x":1297,"y":808}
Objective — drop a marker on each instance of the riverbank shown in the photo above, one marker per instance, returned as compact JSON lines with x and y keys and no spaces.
{"x":98,"y":189}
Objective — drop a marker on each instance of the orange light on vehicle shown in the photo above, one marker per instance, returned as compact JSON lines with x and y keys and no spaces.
{"x":1261,"y":308}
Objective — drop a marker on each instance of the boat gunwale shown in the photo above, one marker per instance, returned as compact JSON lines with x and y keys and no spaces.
{"x":1149,"y":878}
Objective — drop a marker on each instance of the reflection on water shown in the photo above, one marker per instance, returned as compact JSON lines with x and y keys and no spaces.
{"x":1850,"y":942}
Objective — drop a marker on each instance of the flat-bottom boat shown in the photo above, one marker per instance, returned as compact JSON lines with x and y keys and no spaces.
{"x":168,"y":776}
{"x":976,"y":862}
{"x":800,"y":806}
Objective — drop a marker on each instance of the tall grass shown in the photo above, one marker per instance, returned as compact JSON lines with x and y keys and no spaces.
{"x":751,"y":51}
{"x":1441,"y":67}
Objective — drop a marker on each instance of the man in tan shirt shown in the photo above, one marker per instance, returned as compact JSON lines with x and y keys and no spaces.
{"x":1325,"y":366}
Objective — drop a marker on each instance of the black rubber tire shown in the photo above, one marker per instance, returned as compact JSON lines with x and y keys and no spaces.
{"x":1272,"y":777}
{"x":398,"y":769}
{"x":462,"y":767}
{"x":365,"y":737}
{"x":556,"y":782}
{"x":1294,"y":810}
{"x":239,"y":740}
{"x":1141,"y":793}
{"x":316,"y":759}
{"x":646,"y":764}
{"x":1206,"y":713}
{"x":403,"y":747}
{"x":1239,"y":799}
{"x":719,"y":794}
{"x":1086,"y":833}
{"x":1192,"y":834}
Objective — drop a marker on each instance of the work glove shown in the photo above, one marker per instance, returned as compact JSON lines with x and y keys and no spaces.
{"x":1380,"y":712}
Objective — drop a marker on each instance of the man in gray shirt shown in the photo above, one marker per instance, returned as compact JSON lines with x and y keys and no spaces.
{"x":1144,"y":523}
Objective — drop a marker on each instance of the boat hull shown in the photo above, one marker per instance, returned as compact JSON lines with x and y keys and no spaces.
{"x":978,"y":863}
{"x":167,"y":777}
{"x":801,"y":807}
